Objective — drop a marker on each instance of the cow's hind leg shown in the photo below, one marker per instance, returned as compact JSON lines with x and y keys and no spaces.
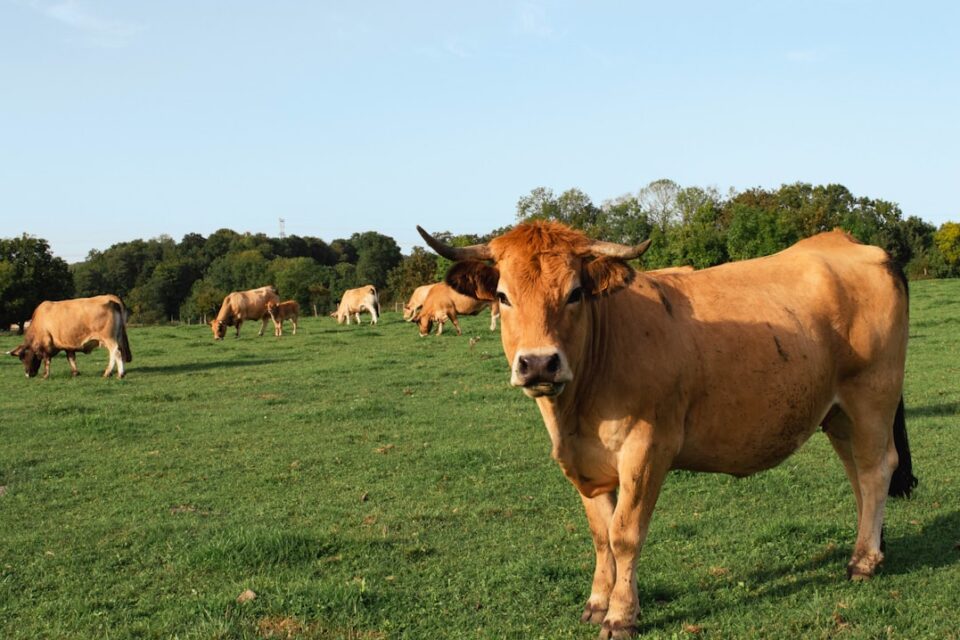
{"x":871,"y":450}
{"x":599,"y":514}
{"x":72,"y":359}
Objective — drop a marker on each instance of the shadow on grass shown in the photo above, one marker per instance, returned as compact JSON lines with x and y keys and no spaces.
{"x":203,"y":366}
{"x":933,"y":546}
{"x":933,"y":410}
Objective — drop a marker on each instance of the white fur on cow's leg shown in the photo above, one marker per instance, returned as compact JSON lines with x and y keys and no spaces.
{"x":114,"y":351}
{"x":643,"y":468}
{"x":440,"y":327}
{"x":493,"y":321}
{"x":294,"y":323}
{"x":46,"y":367}
{"x":599,"y":515}
{"x":118,"y":356}
{"x":874,"y":456}
{"x":358,"y":318}
{"x":263,"y":325}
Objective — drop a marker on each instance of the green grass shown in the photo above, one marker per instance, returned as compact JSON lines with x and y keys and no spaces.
{"x":367,"y":483}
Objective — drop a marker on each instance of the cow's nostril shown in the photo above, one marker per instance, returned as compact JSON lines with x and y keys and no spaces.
{"x":523,"y":364}
{"x":553,"y":364}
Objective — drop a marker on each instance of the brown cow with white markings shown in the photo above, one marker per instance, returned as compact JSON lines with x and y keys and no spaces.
{"x":82,"y":324}
{"x":243,"y":305}
{"x":728,"y":370}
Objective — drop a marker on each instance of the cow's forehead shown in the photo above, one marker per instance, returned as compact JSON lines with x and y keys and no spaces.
{"x":539,"y":239}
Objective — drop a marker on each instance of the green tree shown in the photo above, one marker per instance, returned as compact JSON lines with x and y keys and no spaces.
{"x":414,"y":270}
{"x":295,"y":277}
{"x":30,"y":275}
{"x":947,"y":241}
{"x":377,"y":254}
{"x":247,"y":269}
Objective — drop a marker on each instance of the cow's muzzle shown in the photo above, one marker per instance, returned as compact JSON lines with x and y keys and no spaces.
{"x":540,"y":374}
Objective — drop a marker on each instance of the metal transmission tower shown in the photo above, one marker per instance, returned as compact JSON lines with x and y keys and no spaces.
{"x":283,"y":233}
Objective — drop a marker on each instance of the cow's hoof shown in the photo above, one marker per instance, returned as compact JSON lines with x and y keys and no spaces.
{"x":75,"y":374}
{"x":592,"y":614}
{"x":857,"y":573}
{"x":618,"y":631}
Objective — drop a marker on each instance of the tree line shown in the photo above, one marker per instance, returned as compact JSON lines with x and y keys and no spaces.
{"x":161,"y":279}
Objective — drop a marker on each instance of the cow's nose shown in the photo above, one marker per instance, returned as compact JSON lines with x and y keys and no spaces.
{"x":533,"y":369}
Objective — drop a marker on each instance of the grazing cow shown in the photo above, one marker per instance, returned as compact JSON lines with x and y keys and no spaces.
{"x":444,"y":303}
{"x":280,"y":311}
{"x":728,"y":369}
{"x":82,"y":324}
{"x":243,"y":305}
{"x":416,"y":301}
{"x":356,"y":300}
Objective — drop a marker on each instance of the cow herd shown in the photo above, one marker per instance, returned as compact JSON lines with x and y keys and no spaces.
{"x":83,"y":324}
{"x":728,"y":369}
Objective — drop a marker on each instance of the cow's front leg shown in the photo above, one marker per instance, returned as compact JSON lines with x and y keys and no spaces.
{"x":263,"y":325}
{"x":72,"y":359}
{"x":46,"y":367}
{"x":599,"y":515}
{"x":239,"y":322}
{"x":644,"y":463}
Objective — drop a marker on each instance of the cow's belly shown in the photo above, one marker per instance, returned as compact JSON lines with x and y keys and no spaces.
{"x":757,"y":435}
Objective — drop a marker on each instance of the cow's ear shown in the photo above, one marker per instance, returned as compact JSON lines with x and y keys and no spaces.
{"x":605,"y":275}
{"x":474,"y":278}
{"x":16,"y":352}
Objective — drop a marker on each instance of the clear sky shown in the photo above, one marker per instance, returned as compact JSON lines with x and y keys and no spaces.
{"x":123,"y":120}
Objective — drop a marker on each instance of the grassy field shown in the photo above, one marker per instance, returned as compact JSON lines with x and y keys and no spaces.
{"x":368,"y":484}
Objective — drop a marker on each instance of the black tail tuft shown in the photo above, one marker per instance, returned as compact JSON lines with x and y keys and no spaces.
{"x":903,"y":481}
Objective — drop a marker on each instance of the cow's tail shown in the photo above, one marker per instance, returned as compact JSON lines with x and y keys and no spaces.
{"x":376,"y":300}
{"x":122,"y":341}
{"x":903,"y":481}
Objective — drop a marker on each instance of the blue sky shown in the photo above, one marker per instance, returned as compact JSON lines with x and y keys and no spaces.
{"x":123,"y":120}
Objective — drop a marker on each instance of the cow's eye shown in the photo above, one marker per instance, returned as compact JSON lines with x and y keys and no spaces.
{"x":502,"y":298}
{"x":575,"y":296}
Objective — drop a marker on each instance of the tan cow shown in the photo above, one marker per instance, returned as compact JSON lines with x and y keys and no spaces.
{"x":243,"y":305}
{"x":728,"y":369}
{"x":280,"y":311}
{"x":353,"y":301}
{"x":443,"y":303}
{"x":416,"y":301}
{"x":82,"y":324}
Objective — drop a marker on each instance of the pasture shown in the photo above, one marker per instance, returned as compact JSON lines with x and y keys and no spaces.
{"x":366,"y":484}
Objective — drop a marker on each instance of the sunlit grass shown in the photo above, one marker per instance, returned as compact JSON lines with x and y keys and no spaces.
{"x":367,"y":483}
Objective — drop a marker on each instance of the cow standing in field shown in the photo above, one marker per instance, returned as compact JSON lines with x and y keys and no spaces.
{"x":356,"y":300}
{"x":82,"y":324}
{"x":243,"y":305}
{"x":416,"y":301}
{"x":444,"y":303}
{"x":280,"y":311}
{"x":728,"y":369}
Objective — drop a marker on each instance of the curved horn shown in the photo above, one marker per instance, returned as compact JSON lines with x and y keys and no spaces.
{"x":473,"y":252}
{"x":614,"y":250}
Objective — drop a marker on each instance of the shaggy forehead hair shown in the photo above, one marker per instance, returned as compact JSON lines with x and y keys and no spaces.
{"x":537,"y":238}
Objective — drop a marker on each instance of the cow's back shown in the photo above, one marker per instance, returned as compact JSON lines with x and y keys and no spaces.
{"x":69,"y":324}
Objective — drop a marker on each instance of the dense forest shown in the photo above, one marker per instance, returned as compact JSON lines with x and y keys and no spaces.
{"x":163,"y":280}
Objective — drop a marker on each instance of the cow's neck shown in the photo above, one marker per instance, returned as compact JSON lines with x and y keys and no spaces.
{"x":590,"y":419}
